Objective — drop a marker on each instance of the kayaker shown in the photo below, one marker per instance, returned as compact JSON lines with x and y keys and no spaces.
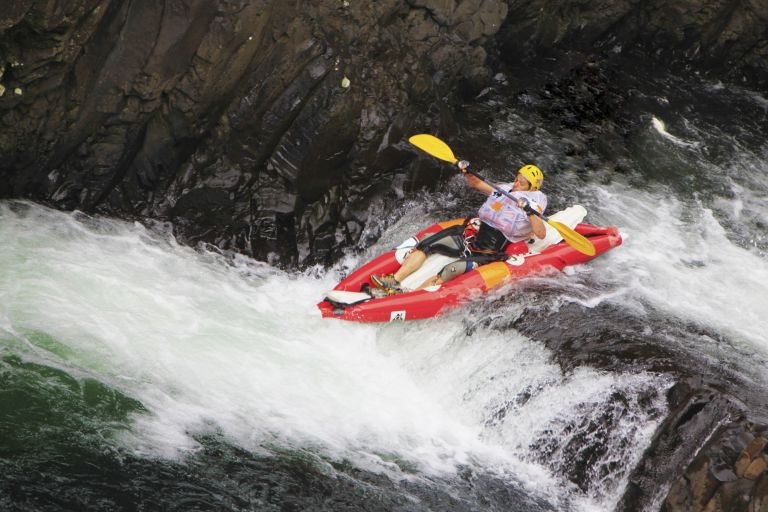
{"x":502,"y":222}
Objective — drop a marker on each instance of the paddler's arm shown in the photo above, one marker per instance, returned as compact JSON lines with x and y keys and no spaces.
{"x":537,"y":223}
{"x":472,"y":180}
{"x":539,"y":229}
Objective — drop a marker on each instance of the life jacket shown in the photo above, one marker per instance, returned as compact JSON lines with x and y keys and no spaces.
{"x":502,"y":213}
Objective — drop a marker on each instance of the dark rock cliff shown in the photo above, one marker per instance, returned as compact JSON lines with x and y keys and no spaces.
{"x":257,"y":126}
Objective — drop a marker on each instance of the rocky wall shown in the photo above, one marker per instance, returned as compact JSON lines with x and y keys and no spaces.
{"x":258,"y":126}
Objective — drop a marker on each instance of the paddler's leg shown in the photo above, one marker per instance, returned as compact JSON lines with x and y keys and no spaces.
{"x":448,"y":272}
{"x":449,"y":241}
{"x":412,"y":263}
{"x":432,"y":281}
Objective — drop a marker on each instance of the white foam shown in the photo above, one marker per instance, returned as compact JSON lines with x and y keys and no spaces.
{"x":661,"y":128}
{"x":678,"y":257}
{"x":211,"y":346}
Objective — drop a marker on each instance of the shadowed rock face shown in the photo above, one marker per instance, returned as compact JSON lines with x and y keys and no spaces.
{"x":257,"y":126}
{"x":724,"y":37}
{"x":265,"y":127}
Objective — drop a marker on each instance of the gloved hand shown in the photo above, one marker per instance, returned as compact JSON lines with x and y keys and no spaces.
{"x":529,"y":206}
{"x":463,"y":165}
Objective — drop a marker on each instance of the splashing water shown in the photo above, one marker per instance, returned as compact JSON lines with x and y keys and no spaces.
{"x":211,"y":344}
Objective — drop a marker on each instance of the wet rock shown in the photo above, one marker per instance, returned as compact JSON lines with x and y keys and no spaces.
{"x":759,"y":495}
{"x":697,"y":412}
{"x":724,"y":37}
{"x":755,"y":447}
{"x":755,"y":469}
{"x":706,"y":453}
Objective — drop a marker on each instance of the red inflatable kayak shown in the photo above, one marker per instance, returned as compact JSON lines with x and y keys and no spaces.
{"x":350,"y":299}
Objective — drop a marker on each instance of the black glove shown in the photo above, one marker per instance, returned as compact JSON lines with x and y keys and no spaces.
{"x":528,"y":206}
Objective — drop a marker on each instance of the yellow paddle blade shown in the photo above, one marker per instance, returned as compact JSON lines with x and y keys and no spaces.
{"x":574,"y":239}
{"x":433,"y":146}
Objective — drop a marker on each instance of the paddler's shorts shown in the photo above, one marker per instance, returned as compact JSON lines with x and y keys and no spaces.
{"x":448,"y":242}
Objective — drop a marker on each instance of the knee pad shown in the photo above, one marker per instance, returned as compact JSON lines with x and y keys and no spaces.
{"x":454,"y":269}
